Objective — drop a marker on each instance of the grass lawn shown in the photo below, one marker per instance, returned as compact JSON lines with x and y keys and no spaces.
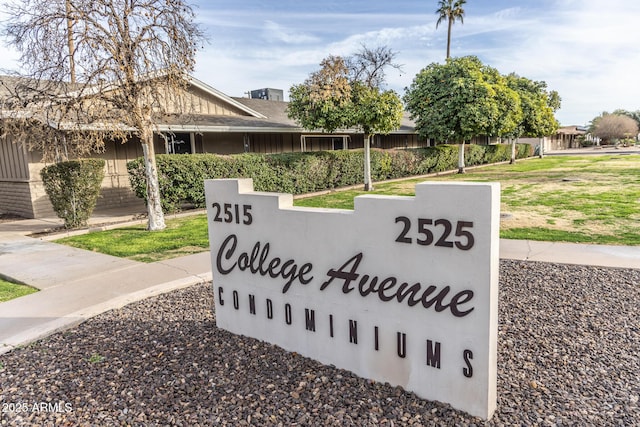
{"x":183,"y":236}
{"x":9,"y":290}
{"x":587,"y":199}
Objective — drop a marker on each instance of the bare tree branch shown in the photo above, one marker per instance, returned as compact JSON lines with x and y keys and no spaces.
{"x":130,"y":58}
{"x":368,"y":65}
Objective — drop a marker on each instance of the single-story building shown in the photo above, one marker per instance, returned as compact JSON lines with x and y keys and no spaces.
{"x":564,"y":138}
{"x":217,"y":124}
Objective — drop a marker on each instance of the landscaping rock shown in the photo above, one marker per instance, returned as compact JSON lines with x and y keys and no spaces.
{"x":568,"y":345}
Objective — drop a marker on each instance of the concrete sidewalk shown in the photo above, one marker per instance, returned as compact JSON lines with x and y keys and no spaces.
{"x":595,"y":150}
{"x":76,"y":284}
{"x":571,"y":253}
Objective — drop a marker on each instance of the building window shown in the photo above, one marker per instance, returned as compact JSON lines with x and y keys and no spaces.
{"x":179,"y":143}
{"x":324,"y":142}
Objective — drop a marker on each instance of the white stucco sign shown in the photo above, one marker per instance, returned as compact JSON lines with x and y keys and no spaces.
{"x":401,"y":289}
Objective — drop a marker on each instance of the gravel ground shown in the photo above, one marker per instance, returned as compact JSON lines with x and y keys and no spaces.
{"x":568,"y":354}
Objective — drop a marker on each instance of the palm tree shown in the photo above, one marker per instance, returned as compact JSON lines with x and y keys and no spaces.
{"x":451,"y":10}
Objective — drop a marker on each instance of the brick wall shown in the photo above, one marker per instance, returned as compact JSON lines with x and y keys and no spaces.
{"x":116,"y":192}
{"x":29,"y":200}
{"x":16,"y":198}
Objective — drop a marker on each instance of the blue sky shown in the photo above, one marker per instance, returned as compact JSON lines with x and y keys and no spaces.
{"x":587,"y":50}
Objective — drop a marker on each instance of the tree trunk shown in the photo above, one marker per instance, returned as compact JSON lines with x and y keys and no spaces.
{"x":72,"y":63}
{"x":449,"y":37}
{"x":513,"y":150}
{"x":368,"y":183}
{"x":154,"y":207}
{"x":541,"y":153}
{"x":461,"y":157}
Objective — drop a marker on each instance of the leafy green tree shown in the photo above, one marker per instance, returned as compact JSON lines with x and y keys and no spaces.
{"x":451,"y":11}
{"x":376,"y":111}
{"x":323,"y":101}
{"x":538,"y":108}
{"x":343,"y":95}
{"x":508,"y":112}
{"x":463,"y":98}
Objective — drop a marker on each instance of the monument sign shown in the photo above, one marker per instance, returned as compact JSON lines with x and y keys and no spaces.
{"x":401,"y":289}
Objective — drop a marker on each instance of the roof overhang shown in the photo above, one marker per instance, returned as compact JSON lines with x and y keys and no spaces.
{"x":224,"y":129}
{"x":255,"y":129}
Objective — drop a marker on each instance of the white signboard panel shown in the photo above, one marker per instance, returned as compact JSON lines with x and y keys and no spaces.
{"x":401,"y":289}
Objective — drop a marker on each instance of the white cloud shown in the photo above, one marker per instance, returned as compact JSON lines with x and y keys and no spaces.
{"x":587,"y":50}
{"x":275,"y":32}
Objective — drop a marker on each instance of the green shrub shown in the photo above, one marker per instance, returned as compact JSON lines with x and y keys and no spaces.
{"x":182,"y":177}
{"x":347,"y":168}
{"x":73,"y":188}
{"x":495,"y":153}
{"x":474,"y":154}
{"x":446,"y":158}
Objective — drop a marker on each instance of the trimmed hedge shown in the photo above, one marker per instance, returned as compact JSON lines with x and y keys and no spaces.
{"x":182,"y":178}
{"x":73,"y":188}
